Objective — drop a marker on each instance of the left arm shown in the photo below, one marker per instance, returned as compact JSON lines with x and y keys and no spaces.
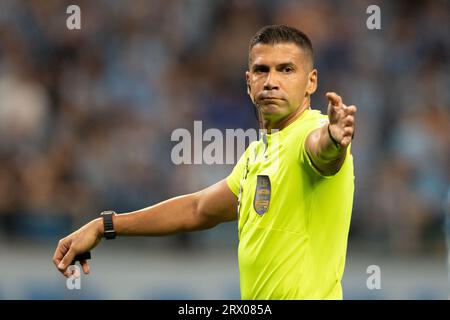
{"x":327,"y":155}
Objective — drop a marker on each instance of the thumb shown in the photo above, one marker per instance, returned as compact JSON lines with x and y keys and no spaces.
{"x":334,"y":98}
{"x":332,"y":112}
{"x":68,"y":258}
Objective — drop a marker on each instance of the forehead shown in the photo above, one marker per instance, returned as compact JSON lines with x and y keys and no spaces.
{"x":272,"y":54}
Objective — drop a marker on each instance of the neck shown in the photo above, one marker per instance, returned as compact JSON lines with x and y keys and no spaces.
{"x":284,"y":122}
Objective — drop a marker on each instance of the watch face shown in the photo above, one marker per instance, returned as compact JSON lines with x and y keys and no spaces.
{"x":107,"y":212}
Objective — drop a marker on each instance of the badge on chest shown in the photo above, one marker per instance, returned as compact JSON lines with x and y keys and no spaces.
{"x":261,"y":199}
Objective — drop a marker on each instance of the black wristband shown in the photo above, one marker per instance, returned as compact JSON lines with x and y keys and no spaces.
{"x":80,"y":257}
{"x":337,"y":144}
{"x":108,"y":226}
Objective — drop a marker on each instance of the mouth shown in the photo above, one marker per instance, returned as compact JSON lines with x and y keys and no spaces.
{"x":270,"y":98}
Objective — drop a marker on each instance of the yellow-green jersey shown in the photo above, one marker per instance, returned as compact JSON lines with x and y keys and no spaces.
{"x":293,"y":222}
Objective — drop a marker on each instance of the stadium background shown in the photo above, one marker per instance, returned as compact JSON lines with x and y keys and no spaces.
{"x":86,"y":118}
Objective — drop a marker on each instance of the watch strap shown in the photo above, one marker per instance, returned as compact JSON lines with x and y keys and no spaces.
{"x":108,"y":226}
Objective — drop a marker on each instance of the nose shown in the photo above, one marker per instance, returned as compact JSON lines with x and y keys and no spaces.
{"x":270,"y":83}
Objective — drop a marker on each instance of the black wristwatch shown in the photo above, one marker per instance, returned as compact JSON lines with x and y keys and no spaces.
{"x":108,"y":226}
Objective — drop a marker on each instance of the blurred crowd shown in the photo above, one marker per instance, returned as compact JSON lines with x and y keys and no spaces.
{"x":86,"y":115}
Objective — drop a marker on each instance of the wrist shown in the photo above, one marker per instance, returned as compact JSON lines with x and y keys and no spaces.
{"x":99,"y":227}
{"x":333,"y":140}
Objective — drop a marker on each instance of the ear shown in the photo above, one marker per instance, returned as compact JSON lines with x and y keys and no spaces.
{"x":312,"y":82}
{"x":249,"y":88}
{"x":247,"y":79}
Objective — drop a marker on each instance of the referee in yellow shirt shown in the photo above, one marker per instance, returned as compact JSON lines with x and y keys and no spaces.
{"x":291,"y":191}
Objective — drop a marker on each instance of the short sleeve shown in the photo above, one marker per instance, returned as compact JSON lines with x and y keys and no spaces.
{"x":310,"y":126}
{"x":304,"y":158}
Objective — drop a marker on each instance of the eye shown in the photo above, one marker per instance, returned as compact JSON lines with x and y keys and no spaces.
{"x":260,"y":69}
{"x":288,"y":69}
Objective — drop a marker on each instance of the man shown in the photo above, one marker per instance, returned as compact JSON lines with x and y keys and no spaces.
{"x":292,"y":191}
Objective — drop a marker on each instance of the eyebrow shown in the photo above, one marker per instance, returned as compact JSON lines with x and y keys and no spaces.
{"x":286,"y":64}
{"x":278,"y":66}
{"x":259,"y":66}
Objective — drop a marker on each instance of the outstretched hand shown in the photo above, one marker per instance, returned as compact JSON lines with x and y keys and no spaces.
{"x":342,"y":119}
{"x":82,"y":240}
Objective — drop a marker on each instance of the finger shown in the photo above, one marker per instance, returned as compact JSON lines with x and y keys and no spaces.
{"x":68,"y":272}
{"x":72,"y":271}
{"x":67,"y":259}
{"x":333,"y":110}
{"x":349,"y":121}
{"x":348,"y":131}
{"x":341,"y":107}
{"x":85,"y":266}
{"x":58,"y":255}
{"x":351,"y":109}
{"x":334,"y":98}
{"x":345,"y":141}
{"x":60,"y":252}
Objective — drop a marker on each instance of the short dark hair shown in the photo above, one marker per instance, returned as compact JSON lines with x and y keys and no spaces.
{"x":274,"y":34}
